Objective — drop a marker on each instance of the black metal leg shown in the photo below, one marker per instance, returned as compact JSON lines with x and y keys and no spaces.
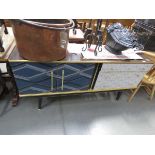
{"x":119,"y":95}
{"x":40,"y":103}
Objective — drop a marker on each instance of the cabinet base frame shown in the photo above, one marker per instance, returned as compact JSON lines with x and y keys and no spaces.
{"x":40,"y":99}
{"x":74,"y":92}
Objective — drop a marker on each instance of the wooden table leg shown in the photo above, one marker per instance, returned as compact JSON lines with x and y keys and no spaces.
{"x":152,"y":92}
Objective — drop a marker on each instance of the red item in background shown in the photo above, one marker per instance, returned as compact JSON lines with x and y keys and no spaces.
{"x":91,"y":50}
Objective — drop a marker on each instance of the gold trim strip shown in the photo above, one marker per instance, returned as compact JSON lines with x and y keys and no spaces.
{"x":62,"y":86}
{"x":51,"y":80}
{"x":73,"y":92}
{"x":89,"y":61}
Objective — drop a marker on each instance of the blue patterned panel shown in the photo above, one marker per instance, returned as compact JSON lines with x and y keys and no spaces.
{"x":32,"y":71}
{"x":75,"y":84}
{"x":22,"y":83}
{"x":72,"y":70}
{"x":76,"y":76}
{"x":33,"y":77}
{"x":34,"y":89}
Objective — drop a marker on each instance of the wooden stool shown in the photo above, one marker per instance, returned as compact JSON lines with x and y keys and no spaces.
{"x":76,"y":38}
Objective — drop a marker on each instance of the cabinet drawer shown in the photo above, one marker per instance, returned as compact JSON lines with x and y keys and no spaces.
{"x":126,"y":67}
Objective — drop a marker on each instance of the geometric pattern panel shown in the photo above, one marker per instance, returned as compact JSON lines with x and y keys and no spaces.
{"x":34,"y":89}
{"x":76,"y":76}
{"x":32,"y":77}
{"x":71,"y":70}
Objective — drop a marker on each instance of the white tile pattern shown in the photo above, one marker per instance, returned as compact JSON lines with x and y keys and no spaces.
{"x":115,"y":76}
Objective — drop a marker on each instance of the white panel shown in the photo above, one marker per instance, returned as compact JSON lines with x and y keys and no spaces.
{"x":113,"y":77}
{"x":114,"y":80}
{"x":126,"y":67}
{"x":3,"y":67}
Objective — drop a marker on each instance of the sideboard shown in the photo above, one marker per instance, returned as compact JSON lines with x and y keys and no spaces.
{"x":73,"y":75}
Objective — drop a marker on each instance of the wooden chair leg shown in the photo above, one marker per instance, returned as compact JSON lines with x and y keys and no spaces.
{"x":152,"y":92}
{"x":134,"y":92}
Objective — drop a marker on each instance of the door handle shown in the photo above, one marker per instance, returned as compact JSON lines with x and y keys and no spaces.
{"x":62,"y":82}
{"x":51,"y":80}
